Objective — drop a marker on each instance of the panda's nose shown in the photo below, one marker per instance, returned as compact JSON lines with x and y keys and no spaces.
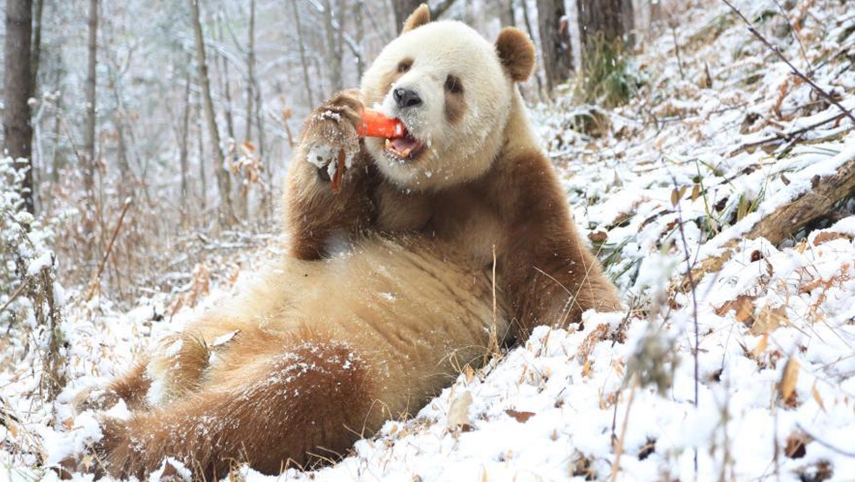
{"x":406,"y":98}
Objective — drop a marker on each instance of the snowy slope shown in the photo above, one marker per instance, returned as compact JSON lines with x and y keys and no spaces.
{"x":618,"y":397}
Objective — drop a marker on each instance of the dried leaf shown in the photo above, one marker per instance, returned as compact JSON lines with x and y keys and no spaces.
{"x":521,"y":417}
{"x":458,"y":410}
{"x":598,"y":237}
{"x":696,"y":191}
{"x":816,"y":397}
{"x":789,"y":378}
{"x":769,"y":320}
{"x":469,"y":373}
{"x":761,"y":346}
{"x":743,"y":305}
{"x":796,"y":443}
{"x":827,"y":236}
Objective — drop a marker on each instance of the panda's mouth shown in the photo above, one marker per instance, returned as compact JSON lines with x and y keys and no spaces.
{"x":405,"y":148}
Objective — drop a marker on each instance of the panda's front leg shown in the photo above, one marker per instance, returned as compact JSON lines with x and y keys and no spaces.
{"x":327,"y":196}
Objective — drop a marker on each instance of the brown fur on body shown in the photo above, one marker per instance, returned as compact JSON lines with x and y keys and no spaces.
{"x":388,"y":290}
{"x":320,"y":353}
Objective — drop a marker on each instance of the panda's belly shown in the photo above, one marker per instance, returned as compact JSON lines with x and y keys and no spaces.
{"x":422,"y":316}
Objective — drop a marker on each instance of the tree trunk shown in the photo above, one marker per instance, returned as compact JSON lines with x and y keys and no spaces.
{"x":57,"y":159}
{"x":358,"y":19}
{"x":37,"y":40}
{"x":226,"y":216}
{"x":250,"y":68}
{"x":333,"y":53}
{"x":527,"y":21}
{"x":606,"y":19}
{"x":17,"y":130}
{"x":183,"y":153}
{"x":203,"y":178}
{"x":506,"y":12}
{"x":403,"y":9}
{"x":555,"y":41}
{"x":303,"y":61}
{"x":224,"y":85}
{"x":89,"y":132}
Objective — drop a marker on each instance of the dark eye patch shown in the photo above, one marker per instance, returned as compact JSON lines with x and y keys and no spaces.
{"x":404,"y":65}
{"x":453,"y":85}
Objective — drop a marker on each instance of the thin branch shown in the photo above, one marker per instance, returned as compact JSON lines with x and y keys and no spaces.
{"x":819,"y":90}
{"x":96,"y":279}
{"x":15,"y":295}
{"x":825,"y":444}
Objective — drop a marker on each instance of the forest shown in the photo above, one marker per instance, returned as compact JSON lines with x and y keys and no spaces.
{"x":705,"y":147}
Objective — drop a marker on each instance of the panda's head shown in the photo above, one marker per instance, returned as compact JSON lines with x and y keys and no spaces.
{"x":454,"y":92}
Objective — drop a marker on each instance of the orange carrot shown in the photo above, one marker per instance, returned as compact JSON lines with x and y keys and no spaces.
{"x":375,"y":124}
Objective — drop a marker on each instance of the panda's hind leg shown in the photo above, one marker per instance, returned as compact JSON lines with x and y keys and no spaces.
{"x":298,"y":400}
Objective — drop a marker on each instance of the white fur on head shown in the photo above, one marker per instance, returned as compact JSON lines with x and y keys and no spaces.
{"x":458,"y":150}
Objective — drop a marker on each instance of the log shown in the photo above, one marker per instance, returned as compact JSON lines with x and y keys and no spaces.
{"x":788,"y":219}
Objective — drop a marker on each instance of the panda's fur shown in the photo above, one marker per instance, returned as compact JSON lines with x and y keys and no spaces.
{"x":388,"y":291}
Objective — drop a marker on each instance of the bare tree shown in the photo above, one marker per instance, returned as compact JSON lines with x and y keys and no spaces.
{"x":37,"y":40}
{"x":183,"y":149}
{"x":303,"y":61}
{"x":89,"y":131}
{"x":358,"y":20}
{"x":608,"y":19}
{"x":403,"y":9}
{"x":17,"y":130}
{"x":333,"y":48}
{"x":555,"y":41}
{"x":250,"y":69}
{"x":528,"y":27}
{"x":226,"y":216}
{"x":505,"y":10}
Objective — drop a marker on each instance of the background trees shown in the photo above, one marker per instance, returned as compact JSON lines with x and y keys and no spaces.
{"x":18,"y":82}
{"x":191,"y":107}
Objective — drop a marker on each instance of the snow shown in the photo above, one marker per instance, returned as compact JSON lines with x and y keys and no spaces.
{"x":558,"y":407}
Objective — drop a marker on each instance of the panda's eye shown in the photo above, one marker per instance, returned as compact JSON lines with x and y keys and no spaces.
{"x":404,"y":65}
{"x":453,"y":85}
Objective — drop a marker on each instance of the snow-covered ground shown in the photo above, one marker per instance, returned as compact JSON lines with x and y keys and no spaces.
{"x":771,"y":392}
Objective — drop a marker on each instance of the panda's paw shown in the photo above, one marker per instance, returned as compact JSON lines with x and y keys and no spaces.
{"x":332,"y":132}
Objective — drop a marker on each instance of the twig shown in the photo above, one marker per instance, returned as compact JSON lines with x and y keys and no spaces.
{"x":96,"y":279}
{"x":15,"y":295}
{"x":689,"y":267}
{"x":619,"y":447}
{"x":785,"y":136}
{"x":677,"y":51}
{"x":795,"y":71}
{"x":795,"y":33}
{"x":825,"y":444}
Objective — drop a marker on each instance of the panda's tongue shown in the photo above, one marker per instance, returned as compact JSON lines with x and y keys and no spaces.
{"x":404,"y":146}
{"x":402,"y":143}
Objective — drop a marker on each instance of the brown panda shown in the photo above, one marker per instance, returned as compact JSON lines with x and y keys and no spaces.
{"x":389,"y":288}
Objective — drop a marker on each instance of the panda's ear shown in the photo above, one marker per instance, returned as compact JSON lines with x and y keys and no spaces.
{"x":517,"y":53}
{"x":418,"y":18}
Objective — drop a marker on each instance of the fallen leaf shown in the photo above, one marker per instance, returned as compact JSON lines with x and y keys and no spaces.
{"x":827,"y":236}
{"x":598,"y":237}
{"x":796,"y":442}
{"x":743,"y":305}
{"x":469,"y":373}
{"x":458,"y":410}
{"x":816,"y":397}
{"x":521,"y":417}
{"x":789,"y":378}
{"x":761,"y":345}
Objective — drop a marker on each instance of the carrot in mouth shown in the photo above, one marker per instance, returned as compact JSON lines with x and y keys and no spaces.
{"x":375,"y":124}
{"x":372,"y":124}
